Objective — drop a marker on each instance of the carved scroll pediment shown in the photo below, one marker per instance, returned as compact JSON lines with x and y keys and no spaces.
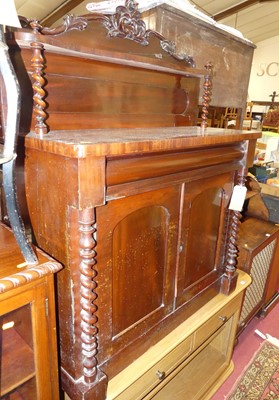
{"x":125,"y":23}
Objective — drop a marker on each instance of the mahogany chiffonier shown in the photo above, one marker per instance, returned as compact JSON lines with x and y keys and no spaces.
{"x":29,"y":368}
{"x":140,"y":220}
{"x":134,"y":200}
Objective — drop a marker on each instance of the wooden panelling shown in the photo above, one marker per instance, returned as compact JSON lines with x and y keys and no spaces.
{"x":147,"y":221}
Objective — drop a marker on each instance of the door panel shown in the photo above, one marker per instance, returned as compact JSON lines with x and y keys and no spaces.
{"x":136,"y":255}
{"x":202,"y":232}
{"x":139,"y":262}
{"x":205,"y":214}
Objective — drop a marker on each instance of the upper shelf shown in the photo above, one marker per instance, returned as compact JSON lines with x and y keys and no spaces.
{"x":97,"y":36}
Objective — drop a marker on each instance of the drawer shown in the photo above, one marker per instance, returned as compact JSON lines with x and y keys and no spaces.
{"x":191,"y":351}
{"x":215,"y":322}
{"x":130,"y":169}
{"x":157,"y":373}
{"x":205,"y":367}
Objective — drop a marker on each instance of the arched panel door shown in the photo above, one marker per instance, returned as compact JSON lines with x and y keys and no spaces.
{"x":139,"y":257}
{"x":203,"y":232}
{"x":136,"y":257}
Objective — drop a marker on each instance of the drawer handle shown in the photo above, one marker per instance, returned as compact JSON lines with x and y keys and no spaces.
{"x":222,"y":318}
{"x":161,"y":375}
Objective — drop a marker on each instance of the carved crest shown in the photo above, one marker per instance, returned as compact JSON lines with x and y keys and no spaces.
{"x":125,"y":23}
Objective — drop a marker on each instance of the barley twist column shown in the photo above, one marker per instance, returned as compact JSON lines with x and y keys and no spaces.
{"x":87,"y":244}
{"x":230,"y":277}
{"x":37,"y":64}
{"x":207,"y":86}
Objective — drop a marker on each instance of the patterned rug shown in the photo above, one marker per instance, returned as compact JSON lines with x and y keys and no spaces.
{"x":260,"y":380}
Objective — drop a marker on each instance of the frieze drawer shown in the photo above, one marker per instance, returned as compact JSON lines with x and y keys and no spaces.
{"x":155,"y":374}
{"x":215,"y":322}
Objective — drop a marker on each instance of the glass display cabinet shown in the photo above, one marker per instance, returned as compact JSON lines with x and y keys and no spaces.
{"x":28,"y":330}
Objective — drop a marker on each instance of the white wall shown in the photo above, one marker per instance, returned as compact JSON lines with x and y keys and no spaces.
{"x":264,"y":78}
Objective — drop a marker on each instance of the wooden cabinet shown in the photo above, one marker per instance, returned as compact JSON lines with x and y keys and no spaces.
{"x":272,"y":288}
{"x":192,"y":361}
{"x":126,"y":192}
{"x":141,"y":238}
{"x":28,"y":327}
{"x":144,"y":244}
{"x":258,"y":256}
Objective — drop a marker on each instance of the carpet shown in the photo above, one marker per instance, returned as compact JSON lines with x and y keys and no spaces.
{"x":260,"y":380}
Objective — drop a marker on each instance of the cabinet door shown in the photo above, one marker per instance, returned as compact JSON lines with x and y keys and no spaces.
{"x":18,"y":374}
{"x":203,"y":231}
{"x":28,"y":366}
{"x":136,"y":254}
